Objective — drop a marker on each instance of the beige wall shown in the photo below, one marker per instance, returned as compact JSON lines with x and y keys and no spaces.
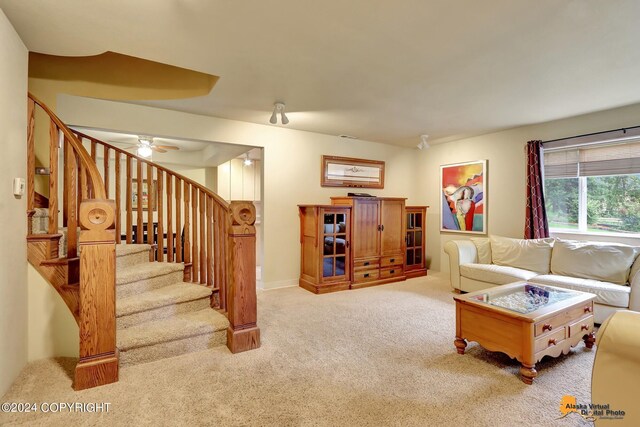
{"x":13,"y":250}
{"x":506,"y":173}
{"x":291,"y":166}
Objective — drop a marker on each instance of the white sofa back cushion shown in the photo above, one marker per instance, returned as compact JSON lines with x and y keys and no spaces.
{"x":532,"y":255}
{"x":592,"y":260}
{"x":483,"y":247}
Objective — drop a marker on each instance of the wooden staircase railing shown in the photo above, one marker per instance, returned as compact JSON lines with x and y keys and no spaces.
{"x":85,"y":282}
{"x":185,"y":221}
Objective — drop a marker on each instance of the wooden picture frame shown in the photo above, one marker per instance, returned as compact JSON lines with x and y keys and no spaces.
{"x":145,"y":194}
{"x":350,"y":172}
{"x":463,"y":197}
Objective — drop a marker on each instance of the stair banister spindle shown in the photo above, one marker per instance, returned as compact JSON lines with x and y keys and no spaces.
{"x":160,"y":202}
{"x":118,"y":198}
{"x":150,"y":200}
{"x":139,"y":211}
{"x":186,"y":245}
{"x":179,"y":233}
{"x":203,"y":242}
{"x":54,"y":137}
{"x":209,"y":223}
{"x":195,"y":270}
{"x":129,"y":202}
{"x":170,"y":238}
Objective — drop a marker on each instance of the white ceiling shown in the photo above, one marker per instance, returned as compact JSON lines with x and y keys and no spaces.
{"x":381,"y":71}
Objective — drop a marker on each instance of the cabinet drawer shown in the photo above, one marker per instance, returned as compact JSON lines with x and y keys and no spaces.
{"x":366,"y":275}
{"x":387,"y":261}
{"x":564,"y":318}
{"x":391,"y":272}
{"x":582,"y":327}
{"x":366,"y":264}
{"x":550,"y":340}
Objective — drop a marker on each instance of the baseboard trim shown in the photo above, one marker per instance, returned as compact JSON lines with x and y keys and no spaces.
{"x":267,"y":286}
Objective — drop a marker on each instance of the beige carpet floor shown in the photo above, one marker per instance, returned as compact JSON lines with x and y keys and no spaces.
{"x":381,"y":356}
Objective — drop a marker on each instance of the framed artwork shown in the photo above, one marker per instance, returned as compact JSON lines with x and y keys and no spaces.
{"x":463,"y":201}
{"x":145,"y":194}
{"x":349,"y":172}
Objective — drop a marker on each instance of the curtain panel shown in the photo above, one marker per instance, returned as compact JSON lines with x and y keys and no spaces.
{"x":535,"y":225}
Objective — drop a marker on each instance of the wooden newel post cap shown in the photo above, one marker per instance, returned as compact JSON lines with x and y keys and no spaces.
{"x":97,"y":220}
{"x":243,"y":216}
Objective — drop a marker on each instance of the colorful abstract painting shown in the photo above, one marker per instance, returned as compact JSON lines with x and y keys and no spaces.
{"x":463,"y":201}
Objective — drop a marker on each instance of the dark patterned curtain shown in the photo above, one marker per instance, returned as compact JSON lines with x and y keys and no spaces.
{"x":535,"y":225}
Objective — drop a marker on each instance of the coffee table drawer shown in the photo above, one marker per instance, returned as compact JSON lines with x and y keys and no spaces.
{"x":582,"y":327}
{"x":563,"y":318}
{"x":550,"y":340}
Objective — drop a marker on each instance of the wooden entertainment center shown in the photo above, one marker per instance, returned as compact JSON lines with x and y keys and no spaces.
{"x":361,"y":241}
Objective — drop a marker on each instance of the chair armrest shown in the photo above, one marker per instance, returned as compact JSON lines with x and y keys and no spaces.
{"x":616,"y":368}
{"x":460,"y":252}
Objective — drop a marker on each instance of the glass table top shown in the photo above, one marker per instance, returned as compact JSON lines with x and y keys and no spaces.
{"x":524,"y":299}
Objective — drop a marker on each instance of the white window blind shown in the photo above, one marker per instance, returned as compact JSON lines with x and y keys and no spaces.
{"x":593,"y":160}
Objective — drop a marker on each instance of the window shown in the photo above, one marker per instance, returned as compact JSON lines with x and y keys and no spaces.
{"x":593,"y":188}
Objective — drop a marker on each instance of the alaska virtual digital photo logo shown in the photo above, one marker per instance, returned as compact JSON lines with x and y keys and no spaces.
{"x":589,"y":411}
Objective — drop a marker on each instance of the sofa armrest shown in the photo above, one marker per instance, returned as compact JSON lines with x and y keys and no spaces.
{"x":460,"y":252}
{"x":634,"y":296}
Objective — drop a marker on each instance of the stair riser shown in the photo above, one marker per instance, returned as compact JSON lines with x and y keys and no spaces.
{"x":148,"y":354}
{"x":128,"y":260}
{"x":162,"y":312}
{"x":128,"y":289}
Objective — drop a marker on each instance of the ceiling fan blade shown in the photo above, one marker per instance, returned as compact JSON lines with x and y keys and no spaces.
{"x":132,"y":148}
{"x":167,"y":147}
{"x":158,"y":149}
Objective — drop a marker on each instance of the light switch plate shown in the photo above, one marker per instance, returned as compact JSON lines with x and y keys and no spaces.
{"x":18,"y":186}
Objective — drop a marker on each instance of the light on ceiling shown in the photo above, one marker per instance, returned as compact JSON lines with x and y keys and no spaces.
{"x":144,"y":151}
{"x":247,"y":160}
{"x":278,"y":107}
{"x":144,"y":146}
{"x":423,"y":142}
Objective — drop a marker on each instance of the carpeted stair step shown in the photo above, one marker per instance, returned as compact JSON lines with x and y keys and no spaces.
{"x":180,"y":334}
{"x":131,"y":254}
{"x":145,"y":277}
{"x":161,"y":303}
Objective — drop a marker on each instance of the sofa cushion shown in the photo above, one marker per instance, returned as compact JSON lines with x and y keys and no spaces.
{"x":483,"y":246}
{"x":607,"y":262}
{"x":497,"y":274}
{"x":533,"y":255}
{"x":606,"y":293}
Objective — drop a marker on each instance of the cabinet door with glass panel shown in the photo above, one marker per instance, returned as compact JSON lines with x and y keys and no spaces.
{"x":415,"y":263}
{"x":335,"y":235}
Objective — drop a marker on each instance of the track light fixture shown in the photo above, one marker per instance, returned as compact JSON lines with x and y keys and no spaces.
{"x":278,"y":107}
{"x":423,"y":142}
{"x":247,"y":160}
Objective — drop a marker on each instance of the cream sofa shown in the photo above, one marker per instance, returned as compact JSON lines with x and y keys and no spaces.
{"x":610,"y":271}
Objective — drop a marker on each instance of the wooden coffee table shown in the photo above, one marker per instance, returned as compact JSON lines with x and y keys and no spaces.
{"x":525,"y":321}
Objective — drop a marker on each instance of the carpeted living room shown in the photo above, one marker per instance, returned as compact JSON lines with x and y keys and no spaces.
{"x":259,"y":213}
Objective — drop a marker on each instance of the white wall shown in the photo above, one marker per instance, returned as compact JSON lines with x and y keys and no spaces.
{"x":291,"y":165}
{"x":13,"y":250}
{"x":505,"y":174}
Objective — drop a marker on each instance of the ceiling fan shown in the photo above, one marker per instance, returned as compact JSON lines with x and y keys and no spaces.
{"x":145,"y":147}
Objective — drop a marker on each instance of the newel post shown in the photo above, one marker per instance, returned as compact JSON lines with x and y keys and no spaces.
{"x":98,"y":363}
{"x":243,"y":333}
